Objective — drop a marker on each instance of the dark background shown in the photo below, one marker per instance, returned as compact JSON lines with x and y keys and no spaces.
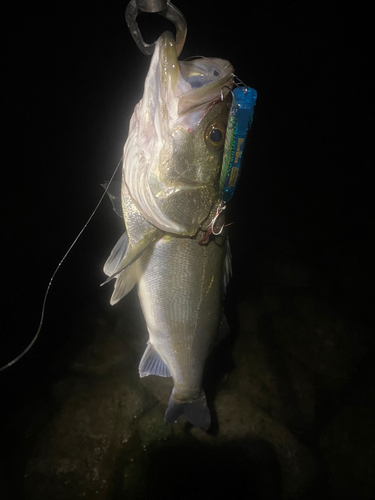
{"x":71,"y":76}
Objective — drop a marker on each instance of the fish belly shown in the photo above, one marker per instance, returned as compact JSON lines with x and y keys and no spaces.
{"x":181,"y":292}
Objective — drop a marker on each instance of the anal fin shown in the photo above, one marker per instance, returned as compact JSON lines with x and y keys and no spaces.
{"x":152,"y":364}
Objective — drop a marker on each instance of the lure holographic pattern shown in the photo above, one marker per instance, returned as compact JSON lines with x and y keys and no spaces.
{"x":240,"y":119}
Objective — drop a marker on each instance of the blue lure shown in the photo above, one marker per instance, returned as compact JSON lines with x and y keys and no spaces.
{"x":239,"y":122}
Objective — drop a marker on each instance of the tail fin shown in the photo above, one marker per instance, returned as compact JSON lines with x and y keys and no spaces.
{"x":196,"y":412}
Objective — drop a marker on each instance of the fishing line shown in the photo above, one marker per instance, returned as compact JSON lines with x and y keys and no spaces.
{"x":57,"y":268}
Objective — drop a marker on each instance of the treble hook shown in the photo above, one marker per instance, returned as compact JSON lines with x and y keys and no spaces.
{"x":210,"y":228}
{"x":163,"y":7}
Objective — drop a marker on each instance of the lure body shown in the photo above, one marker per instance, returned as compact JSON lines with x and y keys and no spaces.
{"x":240,"y":119}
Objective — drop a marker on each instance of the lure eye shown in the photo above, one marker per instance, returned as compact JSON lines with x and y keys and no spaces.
{"x":215,"y":135}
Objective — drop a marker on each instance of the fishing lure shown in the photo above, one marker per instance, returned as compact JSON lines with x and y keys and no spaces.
{"x":239,"y":122}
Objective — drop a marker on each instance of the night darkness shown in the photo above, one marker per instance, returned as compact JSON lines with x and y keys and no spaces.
{"x":72,"y":75}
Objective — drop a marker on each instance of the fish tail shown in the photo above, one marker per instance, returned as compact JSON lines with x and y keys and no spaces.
{"x":196,"y":412}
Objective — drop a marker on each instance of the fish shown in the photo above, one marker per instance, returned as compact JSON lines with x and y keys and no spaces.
{"x":170,"y":198}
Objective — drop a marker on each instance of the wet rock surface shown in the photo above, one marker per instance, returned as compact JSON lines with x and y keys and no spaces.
{"x":290,"y":392}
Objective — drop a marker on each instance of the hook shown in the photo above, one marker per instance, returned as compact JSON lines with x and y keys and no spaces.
{"x":239,"y":83}
{"x":222,"y":94}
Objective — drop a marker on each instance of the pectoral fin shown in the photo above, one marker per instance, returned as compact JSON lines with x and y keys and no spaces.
{"x":127,"y":278}
{"x":117,"y":255}
{"x":133,"y":253}
{"x":125,"y":282}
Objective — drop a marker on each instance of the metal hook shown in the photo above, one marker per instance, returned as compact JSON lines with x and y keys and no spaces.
{"x":165,"y":9}
{"x":222,"y":94}
{"x":211,"y":226}
{"x":239,"y":83}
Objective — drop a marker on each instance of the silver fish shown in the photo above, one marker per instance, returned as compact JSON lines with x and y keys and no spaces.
{"x":170,"y":190}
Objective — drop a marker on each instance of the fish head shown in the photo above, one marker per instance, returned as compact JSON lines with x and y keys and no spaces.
{"x":173,"y":155}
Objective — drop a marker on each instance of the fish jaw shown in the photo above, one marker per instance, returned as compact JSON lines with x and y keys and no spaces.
{"x":165,"y":155}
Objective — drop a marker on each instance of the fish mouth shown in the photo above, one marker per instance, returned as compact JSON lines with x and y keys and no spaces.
{"x":210,"y":79}
{"x":195,"y":82}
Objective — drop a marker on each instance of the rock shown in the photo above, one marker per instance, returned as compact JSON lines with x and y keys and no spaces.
{"x":239,"y":419}
{"x":151,"y":426}
{"x":275,"y":381}
{"x":348,"y":446}
{"x":303,"y":388}
{"x":159,"y":387}
{"x":318,"y":337}
{"x":188,"y":468}
{"x":75,"y":455}
{"x":105,"y":349}
{"x":348,"y":439}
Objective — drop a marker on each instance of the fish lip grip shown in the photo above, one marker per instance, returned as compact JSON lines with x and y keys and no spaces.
{"x":164,"y":8}
{"x":239,"y":122}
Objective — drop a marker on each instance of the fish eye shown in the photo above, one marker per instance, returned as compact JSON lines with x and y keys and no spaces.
{"x":215,"y":135}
